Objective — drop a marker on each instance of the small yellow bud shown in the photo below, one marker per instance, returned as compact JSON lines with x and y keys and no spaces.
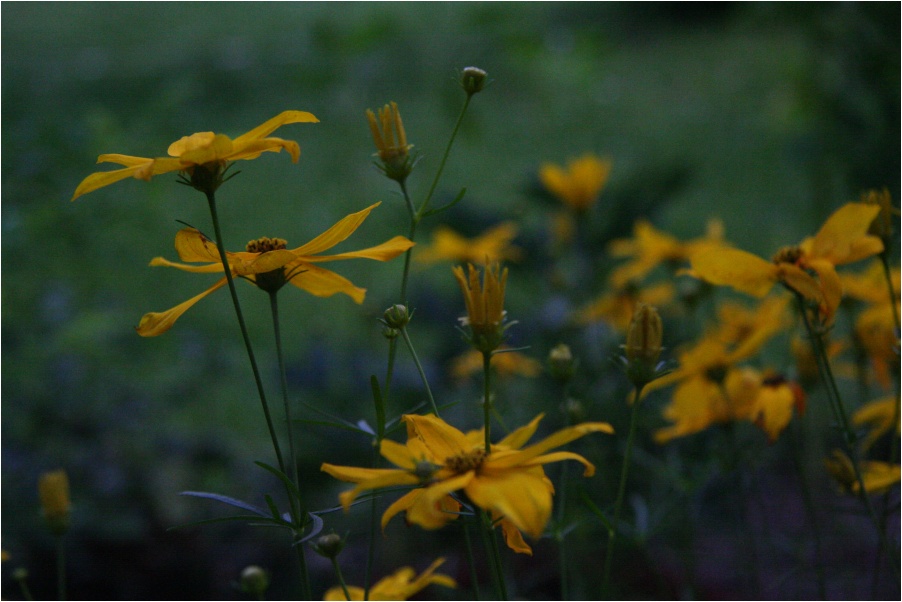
{"x":53,"y":492}
{"x":472,"y":80}
{"x":643,"y":345}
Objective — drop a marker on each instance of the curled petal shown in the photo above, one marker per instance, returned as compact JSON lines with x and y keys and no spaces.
{"x":156,"y":323}
{"x":323,"y":283}
{"x":513,"y":538}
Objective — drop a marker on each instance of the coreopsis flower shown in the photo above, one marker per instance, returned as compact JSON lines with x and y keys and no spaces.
{"x":269,"y":264}
{"x":650,"y":247}
{"x":401,"y":585}
{"x":391,"y":142}
{"x":875,"y":326}
{"x":485,"y":305}
{"x":53,"y":493}
{"x":809,"y":268}
{"x":878,"y":415}
{"x":877,"y":476}
{"x":440,"y":460}
{"x":504,"y":362}
{"x":743,"y":394}
{"x":580,"y":183}
{"x":492,"y":245}
{"x":207,"y":150}
{"x":617,"y":307}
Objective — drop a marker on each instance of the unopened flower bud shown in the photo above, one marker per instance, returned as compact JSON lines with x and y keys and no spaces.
{"x":472,"y":80}
{"x":561,"y":363}
{"x":390,"y":333}
{"x":574,"y":410}
{"x":254,"y":581}
{"x":396,"y":316}
{"x":329,"y":545}
{"x":53,"y":491}
{"x":643,"y":345}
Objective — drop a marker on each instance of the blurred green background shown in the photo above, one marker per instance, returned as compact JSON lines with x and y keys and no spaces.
{"x":765,"y":115}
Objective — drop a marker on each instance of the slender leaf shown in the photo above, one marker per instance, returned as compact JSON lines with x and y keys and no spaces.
{"x":457,"y":199}
{"x":226,"y":500}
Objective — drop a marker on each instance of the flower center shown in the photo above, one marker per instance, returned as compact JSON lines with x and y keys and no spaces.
{"x":788,"y":255}
{"x":466,"y":461}
{"x":262,"y":245}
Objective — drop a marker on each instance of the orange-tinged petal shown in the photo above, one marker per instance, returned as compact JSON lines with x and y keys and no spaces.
{"x":323,"y":283}
{"x":842,"y":229}
{"x":156,"y":323}
{"x":440,"y":438}
{"x":268,"y":127}
{"x":513,"y":538}
{"x":520,"y":496}
{"x":334,"y":235}
{"x":743,"y":271}
{"x":383,"y":252}
{"x":773,"y":409}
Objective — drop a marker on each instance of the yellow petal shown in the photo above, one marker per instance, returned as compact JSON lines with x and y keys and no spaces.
{"x":194,"y":247}
{"x":260,"y":263}
{"x":440,"y":438}
{"x":366,"y":479}
{"x":384,"y":252}
{"x":562,"y":437}
{"x":520,"y":496}
{"x":105,"y":178}
{"x":518,"y":438}
{"x":743,"y":271}
{"x":513,"y":538}
{"x":268,"y":127}
{"x":337,"y":593}
{"x":323,"y":283}
{"x":193,"y":142}
{"x":254,"y":149}
{"x":156,"y":323}
{"x":830,"y":285}
{"x":334,"y":235}
{"x":401,"y":504}
{"x":397,"y":454}
{"x":848,"y":224}
{"x":560,"y":456}
{"x":428,"y":510}
{"x":217,"y":149}
{"x":773,"y":409}
{"x":210,"y":268}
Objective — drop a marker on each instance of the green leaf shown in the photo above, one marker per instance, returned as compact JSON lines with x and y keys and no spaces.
{"x":226,"y":500}
{"x":457,"y":199}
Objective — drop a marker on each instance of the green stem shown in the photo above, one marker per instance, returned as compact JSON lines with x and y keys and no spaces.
{"x":341,"y":579}
{"x":296,"y":504}
{"x":810,"y":508}
{"x":487,"y":399}
{"x":561,"y":509}
{"x":839,"y":412}
{"x":414,"y":220}
{"x":211,"y":200}
{"x":887,"y":274}
{"x":416,"y":360}
{"x":61,"y":567}
{"x":425,"y":206}
{"x":621,"y":490}
{"x":491,"y":547}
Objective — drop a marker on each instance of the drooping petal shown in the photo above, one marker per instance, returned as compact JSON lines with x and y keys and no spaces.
{"x":743,"y":271}
{"x":384,"y":252}
{"x":156,"y":323}
{"x":429,"y":510}
{"x":513,"y":538}
{"x":209,"y":268}
{"x":562,"y":437}
{"x":105,"y":178}
{"x":397,"y":454}
{"x":334,"y":235}
{"x":366,"y":479}
{"x":440,"y":438}
{"x":323,"y":283}
{"x":520,"y":496}
{"x":401,"y":504}
{"x":254,"y":149}
{"x":560,"y":456}
{"x":268,"y":127}
{"x":848,"y":224}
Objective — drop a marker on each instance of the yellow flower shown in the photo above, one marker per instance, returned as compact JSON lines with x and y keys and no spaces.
{"x":492,"y":245}
{"x":879,"y":416}
{"x":842,"y":239}
{"x":650,"y":247}
{"x":269,"y":265}
{"x":877,"y":476}
{"x":400,"y":586}
{"x":508,"y":481}
{"x":485,"y":305}
{"x":53,"y":492}
{"x":391,"y":141}
{"x":200,"y":149}
{"x":579,"y":185}
{"x":617,"y":307}
{"x":505,"y":363}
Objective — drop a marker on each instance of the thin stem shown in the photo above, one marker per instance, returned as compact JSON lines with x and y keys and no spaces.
{"x":621,"y":490}
{"x":61,"y":567}
{"x":341,"y":579}
{"x":414,"y":220}
{"x":416,"y":360}
{"x":425,"y":206}
{"x":810,"y":508}
{"x":560,"y":535}
{"x":491,"y":546}
{"x":211,"y":201}
{"x":296,"y":504}
{"x":487,"y":399}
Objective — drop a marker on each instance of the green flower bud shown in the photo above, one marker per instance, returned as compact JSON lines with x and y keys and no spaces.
{"x":472,"y":80}
{"x":396,"y":316}
{"x":643,"y":345}
{"x":254,"y":581}
{"x":329,"y":545}
{"x":561,"y":363}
